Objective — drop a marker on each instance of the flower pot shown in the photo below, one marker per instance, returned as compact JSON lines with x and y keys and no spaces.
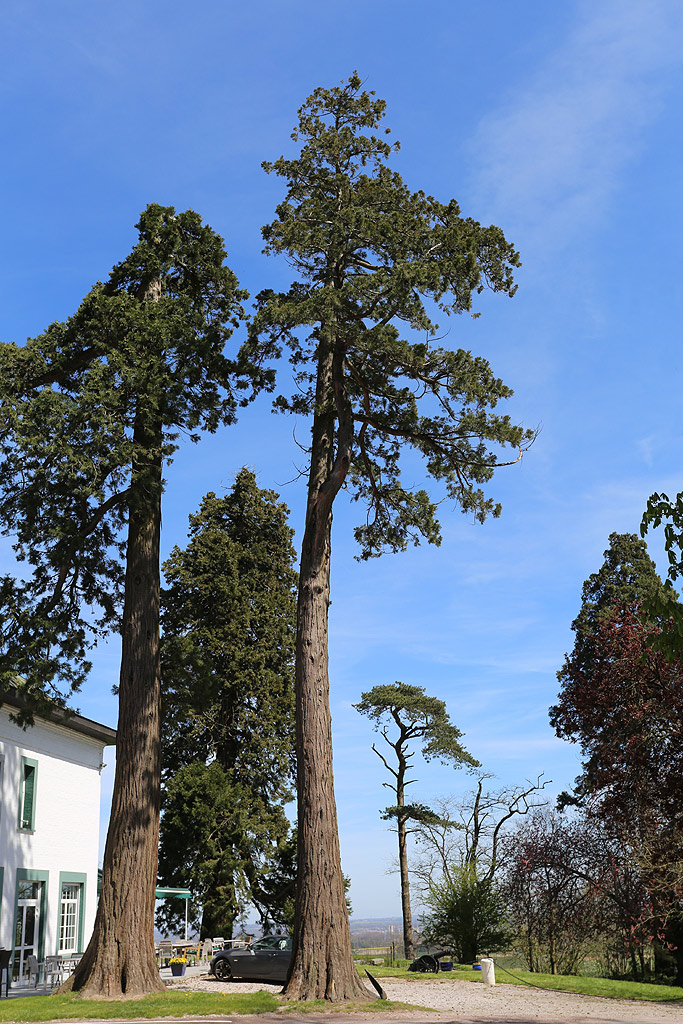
{"x":178,"y":970}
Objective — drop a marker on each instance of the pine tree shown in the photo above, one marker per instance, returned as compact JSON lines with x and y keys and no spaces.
{"x":417,"y":717}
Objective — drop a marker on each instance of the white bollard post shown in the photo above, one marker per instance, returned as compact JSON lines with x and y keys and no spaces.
{"x":488,"y":974}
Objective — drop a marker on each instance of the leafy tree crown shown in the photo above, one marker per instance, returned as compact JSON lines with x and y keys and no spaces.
{"x":373,"y":260}
{"x":417,"y":716}
{"x":228,"y":616}
{"x":627,"y":578}
{"x":92,"y":404}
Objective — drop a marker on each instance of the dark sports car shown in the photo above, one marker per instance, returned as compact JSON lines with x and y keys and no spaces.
{"x":266,"y":959}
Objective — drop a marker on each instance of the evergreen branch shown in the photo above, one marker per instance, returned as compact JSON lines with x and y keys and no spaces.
{"x":60,"y":373}
{"x":114,"y":501}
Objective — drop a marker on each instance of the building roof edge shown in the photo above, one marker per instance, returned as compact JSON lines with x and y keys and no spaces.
{"x":67,"y":719}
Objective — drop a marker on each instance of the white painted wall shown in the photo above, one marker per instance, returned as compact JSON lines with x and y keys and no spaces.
{"x":67,"y":809}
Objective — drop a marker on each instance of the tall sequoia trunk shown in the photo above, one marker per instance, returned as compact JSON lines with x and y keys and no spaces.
{"x":408,"y":946}
{"x":322,"y":961}
{"x":120,"y":958}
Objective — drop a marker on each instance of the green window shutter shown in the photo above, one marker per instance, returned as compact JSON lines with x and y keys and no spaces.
{"x":27,"y":797}
{"x":29,"y":779}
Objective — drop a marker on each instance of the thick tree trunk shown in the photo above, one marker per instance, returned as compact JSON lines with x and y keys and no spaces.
{"x":408,"y":946}
{"x":322,"y":961}
{"x":120,"y":958}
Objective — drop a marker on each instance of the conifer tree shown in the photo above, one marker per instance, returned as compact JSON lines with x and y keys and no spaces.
{"x":228,"y":618}
{"x":416,"y":717}
{"x":372,"y":261}
{"x":627,"y":578}
{"x":92,"y":410}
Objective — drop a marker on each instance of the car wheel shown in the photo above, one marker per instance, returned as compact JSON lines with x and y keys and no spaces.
{"x":222,"y":970}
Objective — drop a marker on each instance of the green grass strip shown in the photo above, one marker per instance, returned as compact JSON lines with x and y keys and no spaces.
{"x":606,"y":988}
{"x":163,"y":1004}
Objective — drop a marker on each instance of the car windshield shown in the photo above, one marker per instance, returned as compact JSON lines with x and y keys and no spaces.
{"x":272,"y":942}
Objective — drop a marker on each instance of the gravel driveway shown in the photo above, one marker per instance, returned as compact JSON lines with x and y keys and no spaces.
{"x":471,"y":1001}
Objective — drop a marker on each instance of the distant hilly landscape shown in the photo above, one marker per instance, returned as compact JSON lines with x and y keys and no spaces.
{"x":366,"y":931}
{"x":377,"y":925}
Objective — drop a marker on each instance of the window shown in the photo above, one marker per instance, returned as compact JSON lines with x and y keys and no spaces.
{"x":27,"y":794}
{"x":69,"y":917}
{"x":71,"y":912}
{"x":29,"y":927}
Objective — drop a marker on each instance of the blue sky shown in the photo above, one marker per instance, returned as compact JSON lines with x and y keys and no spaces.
{"x":559,"y":122}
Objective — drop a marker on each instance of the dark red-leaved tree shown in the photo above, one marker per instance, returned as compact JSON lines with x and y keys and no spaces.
{"x":622,"y":701}
{"x":573,"y":882}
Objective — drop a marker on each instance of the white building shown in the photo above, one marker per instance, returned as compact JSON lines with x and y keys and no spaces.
{"x":49,"y":831}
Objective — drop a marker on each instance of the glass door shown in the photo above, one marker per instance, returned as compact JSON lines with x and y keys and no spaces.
{"x":27,"y":930}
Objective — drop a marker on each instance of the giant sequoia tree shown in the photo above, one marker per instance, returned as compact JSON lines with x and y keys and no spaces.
{"x":372,"y":259}
{"x":91,"y":412}
{"x":228,"y":617}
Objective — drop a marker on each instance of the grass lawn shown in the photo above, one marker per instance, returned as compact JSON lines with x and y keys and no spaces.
{"x":586,"y":985}
{"x":175,"y":1004}
{"x":592,"y":986}
{"x":164,"y":1004}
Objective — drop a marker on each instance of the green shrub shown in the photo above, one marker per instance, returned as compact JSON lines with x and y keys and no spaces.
{"x":465,"y":915}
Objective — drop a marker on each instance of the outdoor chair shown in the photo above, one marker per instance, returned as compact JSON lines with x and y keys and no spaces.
{"x":207,"y":949}
{"x":53,"y":971}
{"x":165,"y":952}
{"x":33,"y":969}
{"x":218,"y":945}
{"x":5,"y":957}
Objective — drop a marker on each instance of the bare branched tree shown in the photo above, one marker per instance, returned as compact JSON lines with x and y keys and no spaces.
{"x":466,"y":831}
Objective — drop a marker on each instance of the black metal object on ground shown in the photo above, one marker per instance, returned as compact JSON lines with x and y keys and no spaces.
{"x":378,"y":988}
{"x":428,"y":963}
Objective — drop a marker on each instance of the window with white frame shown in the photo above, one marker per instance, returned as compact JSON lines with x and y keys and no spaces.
{"x":69,"y":913}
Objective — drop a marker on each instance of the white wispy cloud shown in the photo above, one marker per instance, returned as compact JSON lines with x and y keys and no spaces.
{"x":549,"y":159}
